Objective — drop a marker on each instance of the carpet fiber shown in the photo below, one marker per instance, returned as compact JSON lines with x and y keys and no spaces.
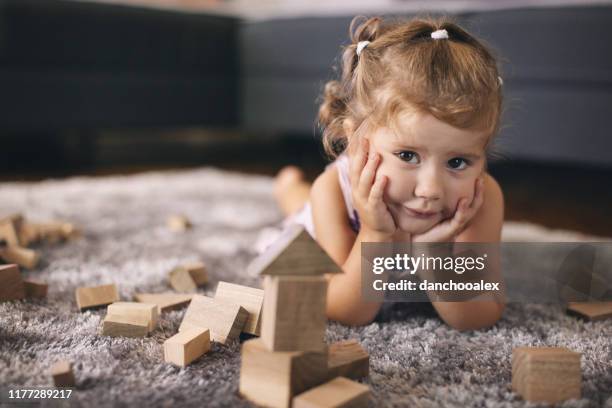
{"x":416,"y":360}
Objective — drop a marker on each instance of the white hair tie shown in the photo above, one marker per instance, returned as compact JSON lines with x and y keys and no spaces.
{"x":501,"y":81}
{"x":360,"y":46}
{"x":439,"y":34}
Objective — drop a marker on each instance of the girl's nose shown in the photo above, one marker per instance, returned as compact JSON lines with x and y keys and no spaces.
{"x":429,"y":185}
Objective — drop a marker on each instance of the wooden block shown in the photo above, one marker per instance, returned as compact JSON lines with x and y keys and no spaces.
{"x":591,"y":310}
{"x":348,"y":359}
{"x":24,"y":257}
{"x":294,"y":253}
{"x":181,"y":280}
{"x":224,"y":319}
{"x":249,"y":298}
{"x":187,"y":277}
{"x":54,"y":231}
{"x":198,"y":272}
{"x":165,"y":301}
{"x":178,"y":223}
{"x":186,"y":346}
{"x":546,"y":374}
{"x":337,"y":393}
{"x":11,"y":283}
{"x":62,"y":374}
{"x":125,"y":326}
{"x":272,"y":379}
{"x":28,"y":234}
{"x":96,"y":296}
{"x":147,"y":310}
{"x":35,"y":289}
{"x":294,"y":313}
{"x":8,"y":232}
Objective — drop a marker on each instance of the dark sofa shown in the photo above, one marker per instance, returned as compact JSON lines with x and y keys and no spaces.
{"x":65,"y":64}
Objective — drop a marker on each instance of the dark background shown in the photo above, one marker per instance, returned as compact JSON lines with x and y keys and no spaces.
{"x":92,"y":88}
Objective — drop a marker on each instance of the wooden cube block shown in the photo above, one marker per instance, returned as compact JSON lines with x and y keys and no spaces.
{"x":165,"y":301}
{"x":52,"y":231}
{"x":294,"y":313}
{"x":178,"y":223}
{"x":28,"y":234}
{"x":96,"y":296}
{"x":348,"y":359}
{"x":11,"y":283}
{"x":181,"y":280}
{"x":186,"y":278}
{"x":546,"y":374}
{"x":272,"y":379}
{"x":294,"y":253}
{"x":198,"y":272}
{"x":337,"y":393}
{"x":224,"y":319}
{"x":249,"y":298}
{"x":186,"y":346}
{"x":9,"y":231}
{"x":62,"y":374}
{"x":592,"y":311}
{"x":35,"y":289}
{"x":147,"y":310}
{"x":125,"y":326}
{"x":24,"y":257}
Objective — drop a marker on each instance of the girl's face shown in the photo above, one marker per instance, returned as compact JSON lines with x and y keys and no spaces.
{"x":430,"y":166}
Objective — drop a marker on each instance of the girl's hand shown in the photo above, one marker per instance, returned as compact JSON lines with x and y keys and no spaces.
{"x":447,"y":230}
{"x":367,"y":189}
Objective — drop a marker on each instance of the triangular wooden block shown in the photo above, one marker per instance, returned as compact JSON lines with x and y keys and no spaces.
{"x":591,"y":310}
{"x":294,"y":253}
{"x":165,"y":301}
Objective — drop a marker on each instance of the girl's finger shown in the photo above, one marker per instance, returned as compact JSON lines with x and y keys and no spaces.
{"x":358,"y":161}
{"x":479,"y":196}
{"x":378,"y":189}
{"x":368,"y":174}
{"x":461,"y":216}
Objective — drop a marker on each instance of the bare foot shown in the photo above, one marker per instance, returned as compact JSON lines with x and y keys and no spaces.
{"x":291,"y":190}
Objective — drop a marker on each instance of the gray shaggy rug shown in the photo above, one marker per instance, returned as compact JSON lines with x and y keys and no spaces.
{"x":416,"y":360}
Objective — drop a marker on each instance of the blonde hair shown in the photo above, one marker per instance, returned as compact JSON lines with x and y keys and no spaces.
{"x":456,"y":79}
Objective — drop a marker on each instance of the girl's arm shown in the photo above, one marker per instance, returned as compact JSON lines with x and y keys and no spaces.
{"x":485,"y":227}
{"x":336,"y":237}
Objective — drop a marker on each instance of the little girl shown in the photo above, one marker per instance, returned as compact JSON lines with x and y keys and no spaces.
{"x":409,"y":124}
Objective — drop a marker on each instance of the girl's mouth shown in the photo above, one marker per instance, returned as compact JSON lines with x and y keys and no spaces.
{"x":420,"y":214}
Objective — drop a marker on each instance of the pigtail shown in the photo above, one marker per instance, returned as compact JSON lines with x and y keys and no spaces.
{"x":333,"y":111}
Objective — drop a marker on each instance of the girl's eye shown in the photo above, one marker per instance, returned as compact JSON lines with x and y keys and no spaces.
{"x":408,"y":156}
{"x":457,"y":163}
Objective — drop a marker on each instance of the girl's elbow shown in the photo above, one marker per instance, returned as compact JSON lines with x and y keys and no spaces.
{"x":484,"y":320}
{"x":353,"y":317}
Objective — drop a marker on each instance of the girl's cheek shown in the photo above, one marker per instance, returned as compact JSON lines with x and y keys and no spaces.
{"x":400,"y":184}
{"x":464,"y":189}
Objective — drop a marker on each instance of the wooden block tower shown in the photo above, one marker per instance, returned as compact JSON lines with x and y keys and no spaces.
{"x":291,"y":356}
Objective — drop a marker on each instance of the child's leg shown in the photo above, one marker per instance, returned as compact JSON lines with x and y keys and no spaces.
{"x":291,"y":190}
